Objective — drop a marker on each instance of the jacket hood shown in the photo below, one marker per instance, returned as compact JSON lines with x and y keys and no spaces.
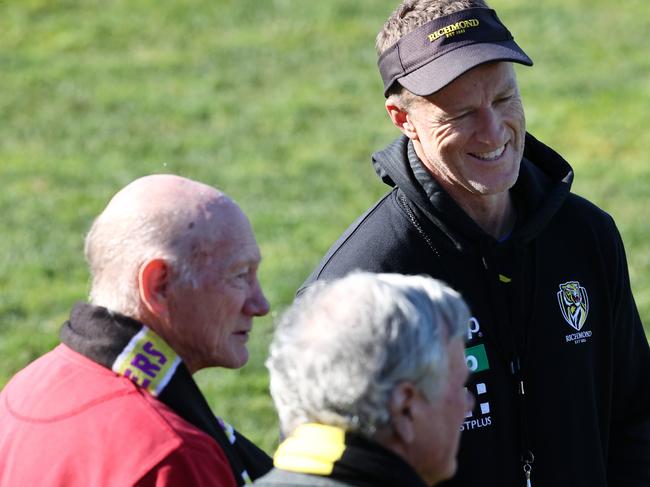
{"x":542,"y":187}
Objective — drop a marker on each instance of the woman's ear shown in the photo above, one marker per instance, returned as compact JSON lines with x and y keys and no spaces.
{"x":401,"y":411}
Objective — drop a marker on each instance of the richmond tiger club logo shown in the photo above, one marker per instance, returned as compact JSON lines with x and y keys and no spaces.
{"x":574,"y":305}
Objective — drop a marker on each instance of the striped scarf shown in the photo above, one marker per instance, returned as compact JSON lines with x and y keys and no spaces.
{"x":132,"y":350}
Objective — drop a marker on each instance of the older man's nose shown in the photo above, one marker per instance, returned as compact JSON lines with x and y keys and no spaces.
{"x":257,"y":304}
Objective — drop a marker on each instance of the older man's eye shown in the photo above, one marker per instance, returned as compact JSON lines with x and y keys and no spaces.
{"x":505,"y":98}
{"x":244,"y":274}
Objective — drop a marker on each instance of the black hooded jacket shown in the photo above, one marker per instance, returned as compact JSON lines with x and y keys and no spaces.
{"x":553,"y":317}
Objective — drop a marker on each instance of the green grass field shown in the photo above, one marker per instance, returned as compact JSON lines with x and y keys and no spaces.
{"x":278,"y":103}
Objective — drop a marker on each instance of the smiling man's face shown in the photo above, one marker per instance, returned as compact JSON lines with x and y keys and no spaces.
{"x":470,"y":135}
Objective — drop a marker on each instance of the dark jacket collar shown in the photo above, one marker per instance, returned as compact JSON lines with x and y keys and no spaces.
{"x":542,"y":186}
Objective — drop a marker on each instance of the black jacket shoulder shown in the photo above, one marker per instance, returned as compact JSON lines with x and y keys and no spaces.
{"x":376,"y":242}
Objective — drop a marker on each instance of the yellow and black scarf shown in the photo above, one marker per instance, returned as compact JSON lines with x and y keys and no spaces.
{"x":131,"y":349}
{"x":331,"y":452}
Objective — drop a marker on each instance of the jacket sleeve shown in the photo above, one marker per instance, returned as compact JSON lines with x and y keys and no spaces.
{"x":629,"y":448}
{"x":195,"y":465}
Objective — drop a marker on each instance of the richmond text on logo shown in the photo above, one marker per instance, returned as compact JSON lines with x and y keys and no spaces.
{"x":453,"y":29}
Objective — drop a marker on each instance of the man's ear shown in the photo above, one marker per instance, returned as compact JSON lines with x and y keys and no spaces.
{"x":401,"y":411}
{"x":153,"y":282}
{"x":401,"y":119}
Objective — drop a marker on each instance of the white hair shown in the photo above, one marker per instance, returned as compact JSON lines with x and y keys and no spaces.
{"x":343,"y":346}
{"x":115,"y":248}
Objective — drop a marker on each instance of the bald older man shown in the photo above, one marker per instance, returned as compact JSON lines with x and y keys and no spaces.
{"x":174,"y":290}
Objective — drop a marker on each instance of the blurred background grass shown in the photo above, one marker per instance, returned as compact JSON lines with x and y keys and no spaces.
{"x":277,"y":102}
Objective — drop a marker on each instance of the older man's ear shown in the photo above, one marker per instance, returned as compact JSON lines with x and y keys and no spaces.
{"x":153,"y":282}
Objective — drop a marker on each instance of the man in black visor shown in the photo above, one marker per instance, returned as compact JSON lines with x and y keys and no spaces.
{"x":559,"y":357}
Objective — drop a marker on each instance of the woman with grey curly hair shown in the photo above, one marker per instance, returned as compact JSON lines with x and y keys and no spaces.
{"x":367,"y":375}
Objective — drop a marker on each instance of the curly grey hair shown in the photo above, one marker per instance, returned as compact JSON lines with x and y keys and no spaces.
{"x":340,"y":350}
